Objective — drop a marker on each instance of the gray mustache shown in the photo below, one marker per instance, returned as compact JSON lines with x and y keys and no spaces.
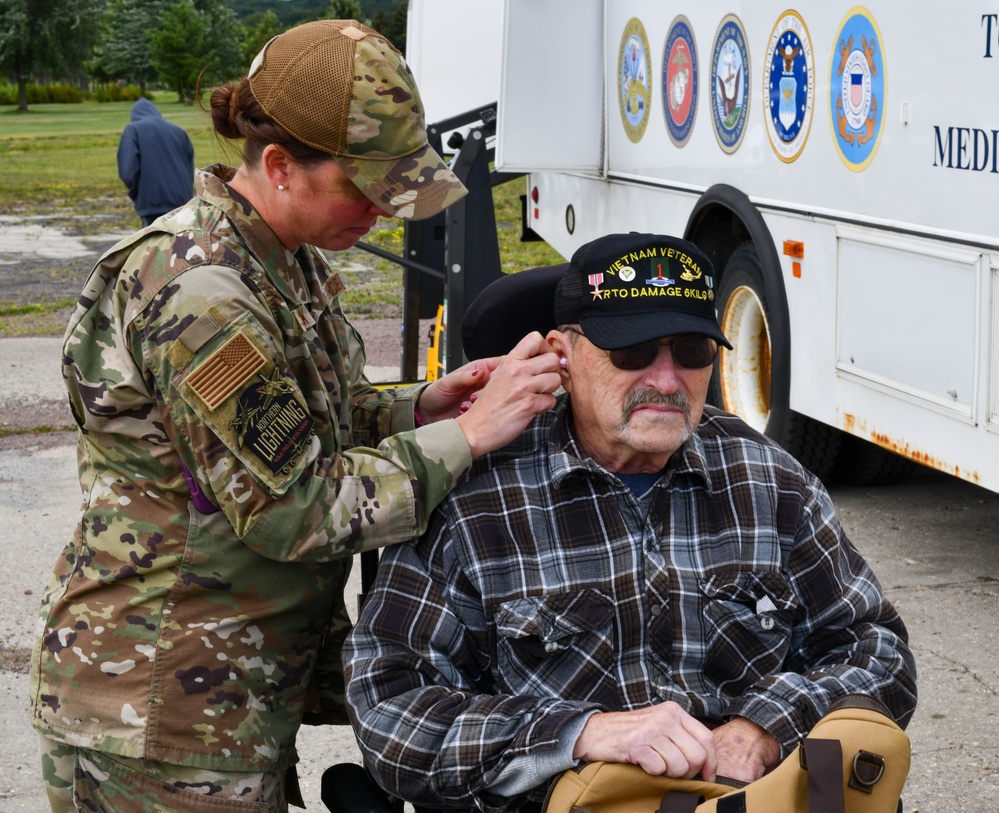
{"x":651,"y":397}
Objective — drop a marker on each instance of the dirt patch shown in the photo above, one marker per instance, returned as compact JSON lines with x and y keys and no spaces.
{"x":15,"y":659}
{"x":45,"y":259}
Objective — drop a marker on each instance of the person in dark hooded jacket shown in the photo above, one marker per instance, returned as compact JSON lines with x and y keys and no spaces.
{"x":155,"y":162}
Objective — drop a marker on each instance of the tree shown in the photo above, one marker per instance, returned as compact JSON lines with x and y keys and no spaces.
{"x":258,"y":32}
{"x":345,"y":10}
{"x":392,"y":25}
{"x":225,"y":32}
{"x":124,"y":53}
{"x":54,"y":36}
{"x":196,"y":42}
{"x":177,"y":48}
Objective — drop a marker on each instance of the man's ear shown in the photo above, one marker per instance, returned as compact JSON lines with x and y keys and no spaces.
{"x":559,"y":342}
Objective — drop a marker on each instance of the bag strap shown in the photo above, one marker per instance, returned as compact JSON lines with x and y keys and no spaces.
{"x":679,"y":801}
{"x":823,"y":760}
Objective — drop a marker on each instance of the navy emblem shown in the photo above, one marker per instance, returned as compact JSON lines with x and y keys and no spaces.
{"x":634,"y":89}
{"x":789,"y":86}
{"x":730,"y":83}
{"x":680,"y":81}
{"x":857,"y":89}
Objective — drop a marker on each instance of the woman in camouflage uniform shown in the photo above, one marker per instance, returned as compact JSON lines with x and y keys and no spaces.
{"x":234,"y":457}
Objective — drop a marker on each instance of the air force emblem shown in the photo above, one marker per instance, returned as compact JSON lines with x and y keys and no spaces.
{"x":789,"y":86}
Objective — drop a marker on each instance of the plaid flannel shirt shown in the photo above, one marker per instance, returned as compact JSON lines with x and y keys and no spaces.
{"x":541,"y":591}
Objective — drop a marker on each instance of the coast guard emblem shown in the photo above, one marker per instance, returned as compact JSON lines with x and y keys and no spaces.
{"x":634,"y":88}
{"x":730,"y":83}
{"x":857,"y":89}
{"x":789,"y":86}
{"x":680,"y":80}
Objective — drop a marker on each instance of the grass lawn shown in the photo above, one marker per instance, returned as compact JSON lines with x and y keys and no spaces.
{"x":59,"y":153}
{"x":60,"y":162}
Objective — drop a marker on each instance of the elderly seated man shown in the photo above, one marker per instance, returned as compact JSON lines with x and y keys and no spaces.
{"x":639,"y":578}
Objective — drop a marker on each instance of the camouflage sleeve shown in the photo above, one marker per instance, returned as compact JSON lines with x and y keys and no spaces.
{"x":265,"y":447}
{"x":377,"y":413}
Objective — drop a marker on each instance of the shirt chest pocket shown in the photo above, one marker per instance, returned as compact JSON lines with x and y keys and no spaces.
{"x":748,"y":620}
{"x":562,"y":643}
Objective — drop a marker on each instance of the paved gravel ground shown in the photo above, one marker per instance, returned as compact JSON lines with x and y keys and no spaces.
{"x":39,"y":496}
{"x":46,"y":259}
{"x":932,"y":541}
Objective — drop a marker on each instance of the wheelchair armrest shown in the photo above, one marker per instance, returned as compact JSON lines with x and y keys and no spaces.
{"x":349,"y":788}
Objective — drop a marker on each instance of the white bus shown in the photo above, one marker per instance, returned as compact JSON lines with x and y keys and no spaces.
{"x":839,"y":163}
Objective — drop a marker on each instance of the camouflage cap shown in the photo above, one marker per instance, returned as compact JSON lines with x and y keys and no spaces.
{"x":342,"y":88}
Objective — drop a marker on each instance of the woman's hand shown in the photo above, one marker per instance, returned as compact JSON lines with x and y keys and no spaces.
{"x":494,"y":399}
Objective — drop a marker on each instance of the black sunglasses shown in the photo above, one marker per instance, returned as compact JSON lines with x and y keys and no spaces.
{"x":692,"y":352}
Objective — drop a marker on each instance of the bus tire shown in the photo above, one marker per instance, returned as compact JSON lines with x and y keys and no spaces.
{"x":743,"y":381}
{"x":862,"y":463}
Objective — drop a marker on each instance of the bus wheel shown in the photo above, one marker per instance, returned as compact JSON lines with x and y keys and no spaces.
{"x":862,"y":463}
{"x":743,"y":381}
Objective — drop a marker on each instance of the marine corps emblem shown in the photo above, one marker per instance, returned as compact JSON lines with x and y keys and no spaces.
{"x":680,"y":80}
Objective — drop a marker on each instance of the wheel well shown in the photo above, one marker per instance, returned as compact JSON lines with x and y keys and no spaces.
{"x":721,"y":220}
{"x":718,"y":231}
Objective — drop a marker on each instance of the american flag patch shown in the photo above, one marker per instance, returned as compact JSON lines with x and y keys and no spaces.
{"x":225,"y":370}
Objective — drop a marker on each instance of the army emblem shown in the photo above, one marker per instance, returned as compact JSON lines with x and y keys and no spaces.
{"x":680,"y":80}
{"x":730,"y":83}
{"x":634,"y":79}
{"x":789,"y":86}
{"x":857,"y":89}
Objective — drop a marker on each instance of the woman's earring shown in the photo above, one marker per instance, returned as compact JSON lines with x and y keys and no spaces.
{"x":280,"y":187}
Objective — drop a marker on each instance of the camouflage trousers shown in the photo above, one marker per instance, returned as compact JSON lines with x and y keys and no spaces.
{"x":79,"y":779}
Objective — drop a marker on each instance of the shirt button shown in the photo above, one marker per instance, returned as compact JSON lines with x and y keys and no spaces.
{"x":657,"y":610}
{"x":662,"y":680}
{"x":552,"y":646}
{"x":766,"y":622}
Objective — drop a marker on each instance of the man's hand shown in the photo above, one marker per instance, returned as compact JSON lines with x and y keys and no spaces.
{"x":662,"y":739}
{"x":745,"y":750}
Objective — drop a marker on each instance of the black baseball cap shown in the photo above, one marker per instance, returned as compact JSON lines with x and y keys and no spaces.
{"x":624,"y":289}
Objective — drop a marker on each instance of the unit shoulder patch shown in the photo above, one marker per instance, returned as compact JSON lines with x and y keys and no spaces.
{"x":271,"y":422}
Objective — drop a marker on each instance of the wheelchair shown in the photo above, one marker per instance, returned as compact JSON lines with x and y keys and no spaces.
{"x":497,"y":319}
